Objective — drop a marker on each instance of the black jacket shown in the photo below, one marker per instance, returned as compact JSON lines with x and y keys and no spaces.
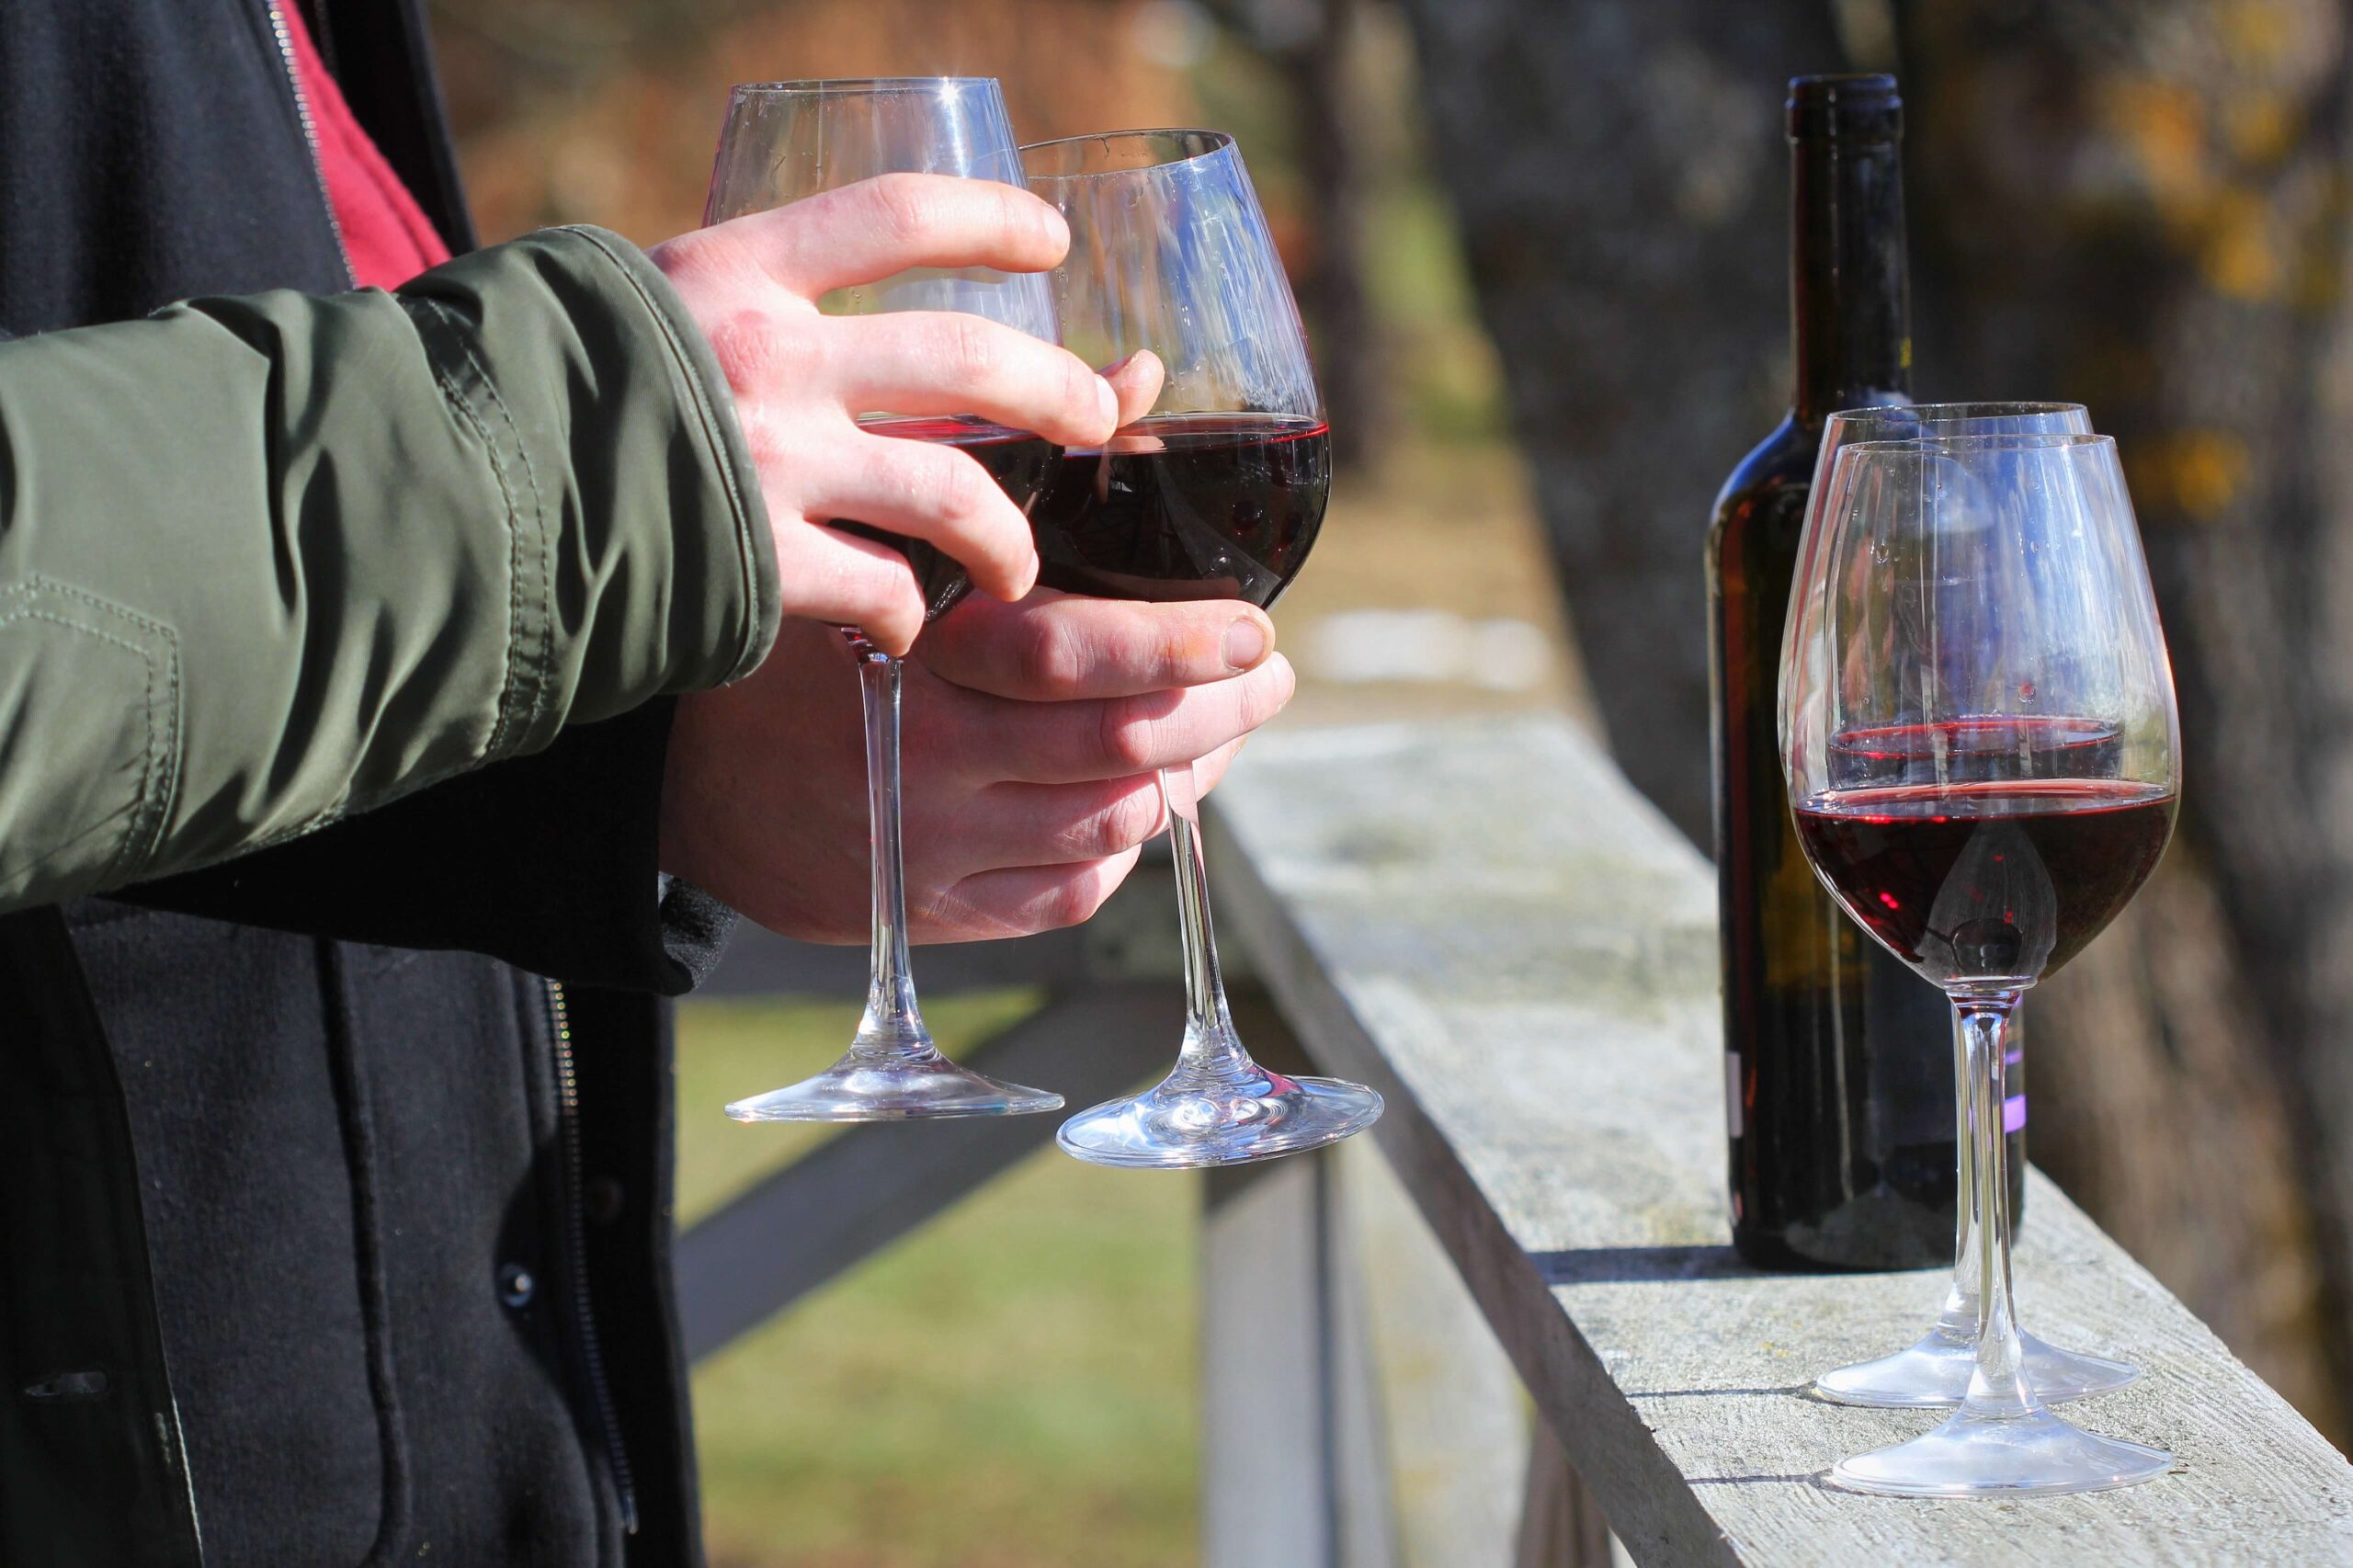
{"x":328,"y":1231}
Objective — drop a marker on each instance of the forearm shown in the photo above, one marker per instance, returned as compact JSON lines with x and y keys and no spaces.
{"x":272,"y":560}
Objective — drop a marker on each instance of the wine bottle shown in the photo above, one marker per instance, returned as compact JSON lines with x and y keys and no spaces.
{"x":1837,"y":1060}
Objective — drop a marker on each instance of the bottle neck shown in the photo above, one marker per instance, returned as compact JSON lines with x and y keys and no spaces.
{"x":1850,"y":301}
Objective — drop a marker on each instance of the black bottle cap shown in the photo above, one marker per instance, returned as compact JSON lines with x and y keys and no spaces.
{"x":1857,"y":109}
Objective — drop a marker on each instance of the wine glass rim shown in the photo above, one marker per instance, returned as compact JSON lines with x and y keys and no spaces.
{"x":2015,"y":440}
{"x":1963,"y":408}
{"x":827,"y":85}
{"x":1217,"y":143}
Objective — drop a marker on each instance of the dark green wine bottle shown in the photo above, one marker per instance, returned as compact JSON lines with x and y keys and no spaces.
{"x":1837,"y":1059}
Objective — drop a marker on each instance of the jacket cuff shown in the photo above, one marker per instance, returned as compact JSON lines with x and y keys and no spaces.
{"x":707,"y":404}
{"x":643,"y":563}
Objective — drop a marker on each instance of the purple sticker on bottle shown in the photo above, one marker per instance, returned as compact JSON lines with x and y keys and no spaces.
{"x":2014,"y":1114}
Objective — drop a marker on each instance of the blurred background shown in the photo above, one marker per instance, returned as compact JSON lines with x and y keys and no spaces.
{"x":1541,"y":245}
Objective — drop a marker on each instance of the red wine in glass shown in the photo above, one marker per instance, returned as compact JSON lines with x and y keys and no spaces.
{"x":1020,"y":462}
{"x":1986,"y":848}
{"x":1187,"y":507}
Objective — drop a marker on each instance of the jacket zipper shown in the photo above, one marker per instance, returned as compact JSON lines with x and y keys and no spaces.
{"x":584,"y":1322}
{"x":310,"y":131}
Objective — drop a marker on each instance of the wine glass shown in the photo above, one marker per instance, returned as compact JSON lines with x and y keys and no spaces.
{"x":1935,"y":1370}
{"x":1216,"y":493}
{"x":1979,"y":728}
{"x":783,"y":142}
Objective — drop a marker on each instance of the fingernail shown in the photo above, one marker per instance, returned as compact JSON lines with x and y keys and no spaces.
{"x":1245,"y":645}
{"x":1107,"y":400}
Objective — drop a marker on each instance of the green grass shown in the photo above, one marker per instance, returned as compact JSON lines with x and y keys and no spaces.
{"x":1014,"y":1384}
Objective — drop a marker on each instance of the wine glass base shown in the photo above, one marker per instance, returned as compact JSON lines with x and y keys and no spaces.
{"x":1258,"y":1118}
{"x":2030,"y":1455}
{"x":873,"y":1087}
{"x":1936,"y":1373}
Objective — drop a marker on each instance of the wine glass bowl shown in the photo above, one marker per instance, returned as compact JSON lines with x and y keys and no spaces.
{"x":1979,"y":728}
{"x":781,"y":143}
{"x":1217,"y":492}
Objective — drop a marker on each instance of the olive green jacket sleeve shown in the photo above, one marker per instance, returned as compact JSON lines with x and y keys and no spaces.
{"x":269,"y":560}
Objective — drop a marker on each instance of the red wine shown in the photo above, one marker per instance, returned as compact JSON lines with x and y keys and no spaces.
{"x":1839,"y":1059}
{"x":1020,"y":462}
{"x":1988,"y":879}
{"x":1187,"y":507}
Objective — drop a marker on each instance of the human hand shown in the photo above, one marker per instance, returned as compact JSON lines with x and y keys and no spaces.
{"x":801,"y":379}
{"x":1031,"y":736}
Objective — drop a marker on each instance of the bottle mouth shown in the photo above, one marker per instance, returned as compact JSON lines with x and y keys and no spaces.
{"x":1847,"y":107}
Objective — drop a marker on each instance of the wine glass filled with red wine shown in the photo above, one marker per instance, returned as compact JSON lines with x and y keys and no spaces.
{"x":1934,"y":1369}
{"x":1978,"y":722}
{"x":1217,"y":492}
{"x":783,"y":142}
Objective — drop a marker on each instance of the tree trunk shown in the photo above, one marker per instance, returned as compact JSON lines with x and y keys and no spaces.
{"x":2136,"y":205}
{"x":1622,"y":183}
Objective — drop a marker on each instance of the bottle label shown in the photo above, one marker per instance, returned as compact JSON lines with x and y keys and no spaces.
{"x":1732,"y":1094}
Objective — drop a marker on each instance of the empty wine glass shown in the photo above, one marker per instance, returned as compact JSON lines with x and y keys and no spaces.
{"x":1216,"y":493}
{"x":1979,"y":728}
{"x":783,"y":142}
{"x":1935,"y":1370}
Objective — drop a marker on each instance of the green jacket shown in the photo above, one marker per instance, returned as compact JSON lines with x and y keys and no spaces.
{"x":266,"y":562}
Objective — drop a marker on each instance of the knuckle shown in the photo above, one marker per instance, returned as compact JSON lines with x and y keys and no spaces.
{"x":754,"y":349}
{"x":1050,"y":660}
{"x":689,"y":258}
{"x":949,"y":485}
{"x":1132,"y":821}
{"x":1124,"y":822}
{"x":1071,"y":901}
{"x":771,"y":449}
{"x":970,"y":350}
{"x":1124,"y":738}
{"x":904,"y":207}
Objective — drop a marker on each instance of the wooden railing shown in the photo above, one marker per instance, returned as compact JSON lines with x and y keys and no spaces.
{"x":1483,"y":921}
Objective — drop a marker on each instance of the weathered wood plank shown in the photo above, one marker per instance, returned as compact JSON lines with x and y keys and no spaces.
{"x":1269,"y":1498}
{"x":1454,"y":1422}
{"x":1483,"y":922}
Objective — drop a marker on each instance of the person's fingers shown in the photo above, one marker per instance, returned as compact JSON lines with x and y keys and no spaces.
{"x":933,"y":362}
{"x":1021,"y":900}
{"x":1211,"y":768}
{"x":1136,"y":381}
{"x":934,"y":492}
{"x":1046,"y":825}
{"x":1072,"y":742}
{"x":846,"y":581}
{"x":1053,"y":647}
{"x":862,"y":232}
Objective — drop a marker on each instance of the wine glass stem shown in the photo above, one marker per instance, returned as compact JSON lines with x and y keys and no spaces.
{"x":1211,"y":1050}
{"x":1997,"y":1386}
{"x":1957,"y":1322}
{"x":891,"y":1023}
